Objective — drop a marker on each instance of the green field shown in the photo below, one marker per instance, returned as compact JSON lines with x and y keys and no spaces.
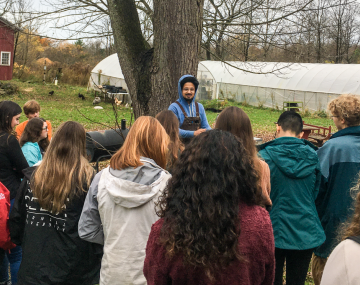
{"x":65,"y":105}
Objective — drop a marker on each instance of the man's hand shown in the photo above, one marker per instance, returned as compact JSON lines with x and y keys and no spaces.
{"x":199,"y":131}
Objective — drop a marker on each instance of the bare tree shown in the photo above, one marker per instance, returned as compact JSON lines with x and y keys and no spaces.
{"x":151,"y":71}
{"x":318,"y":21}
{"x":5,"y":6}
{"x":21,"y":17}
{"x":151,"y":74}
{"x":248,"y":29}
{"x":344,"y":28}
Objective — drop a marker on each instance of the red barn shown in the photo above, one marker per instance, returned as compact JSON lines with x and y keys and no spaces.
{"x":7,"y":31}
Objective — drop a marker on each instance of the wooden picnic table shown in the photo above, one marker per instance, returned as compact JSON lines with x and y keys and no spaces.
{"x":307,"y":130}
{"x":317,"y":134}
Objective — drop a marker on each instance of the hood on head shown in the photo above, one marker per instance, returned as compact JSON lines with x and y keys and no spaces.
{"x":133,"y":187}
{"x":181,"y":98}
{"x":292,"y":156}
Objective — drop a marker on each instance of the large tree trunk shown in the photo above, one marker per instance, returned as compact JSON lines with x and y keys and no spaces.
{"x":151,"y":74}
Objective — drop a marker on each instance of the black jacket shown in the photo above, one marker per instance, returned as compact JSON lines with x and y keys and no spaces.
{"x":53,"y":253}
{"x":12,"y":163}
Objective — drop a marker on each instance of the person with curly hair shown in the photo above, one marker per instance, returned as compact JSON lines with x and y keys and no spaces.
{"x":171,"y":125}
{"x":339,"y":163}
{"x":237,"y":122}
{"x":343,"y":264}
{"x":212,"y":229}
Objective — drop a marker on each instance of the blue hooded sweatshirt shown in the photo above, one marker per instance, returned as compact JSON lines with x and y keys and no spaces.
{"x":190,"y":110}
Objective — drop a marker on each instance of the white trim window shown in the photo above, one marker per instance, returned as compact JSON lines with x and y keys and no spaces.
{"x":5,"y":58}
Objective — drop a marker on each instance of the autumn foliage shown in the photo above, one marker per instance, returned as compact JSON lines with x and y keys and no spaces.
{"x":69,"y":62}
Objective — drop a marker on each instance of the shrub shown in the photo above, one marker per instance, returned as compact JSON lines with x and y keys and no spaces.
{"x":7,"y":88}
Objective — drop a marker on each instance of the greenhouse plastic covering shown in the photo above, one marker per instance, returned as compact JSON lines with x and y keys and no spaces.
{"x":257,"y":83}
{"x":271,"y":84}
{"x":107,"y":72}
{"x":313,"y":77}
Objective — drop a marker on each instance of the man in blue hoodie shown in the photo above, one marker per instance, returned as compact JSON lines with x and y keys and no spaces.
{"x":340,"y":164}
{"x":295,"y":179}
{"x":191,"y":114}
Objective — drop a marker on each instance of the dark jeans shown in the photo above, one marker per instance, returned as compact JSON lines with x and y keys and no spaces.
{"x":297,"y":265}
{"x":2,"y":255}
{"x":14,"y":258}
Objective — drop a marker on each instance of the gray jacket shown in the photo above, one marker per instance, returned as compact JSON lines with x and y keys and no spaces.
{"x":118,"y":212}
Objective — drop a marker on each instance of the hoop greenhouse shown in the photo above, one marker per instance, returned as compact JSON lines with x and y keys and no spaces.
{"x":271,"y":84}
{"x":265,"y":84}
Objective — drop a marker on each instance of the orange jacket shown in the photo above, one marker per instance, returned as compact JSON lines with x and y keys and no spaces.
{"x":20,"y":128}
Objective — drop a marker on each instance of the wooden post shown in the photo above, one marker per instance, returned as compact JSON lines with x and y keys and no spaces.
{"x":44,"y":70}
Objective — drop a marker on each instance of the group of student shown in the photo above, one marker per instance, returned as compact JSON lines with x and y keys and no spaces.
{"x":214,"y":211}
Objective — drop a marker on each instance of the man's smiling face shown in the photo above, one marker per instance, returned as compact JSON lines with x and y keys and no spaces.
{"x":188,"y":91}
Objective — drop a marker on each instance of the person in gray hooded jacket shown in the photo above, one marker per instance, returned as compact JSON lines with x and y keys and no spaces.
{"x":120,"y":206}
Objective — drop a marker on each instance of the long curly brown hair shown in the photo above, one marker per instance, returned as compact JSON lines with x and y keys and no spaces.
{"x":200,"y":206}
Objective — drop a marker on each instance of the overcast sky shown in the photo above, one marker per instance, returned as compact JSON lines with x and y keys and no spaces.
{"x":47,"y":27}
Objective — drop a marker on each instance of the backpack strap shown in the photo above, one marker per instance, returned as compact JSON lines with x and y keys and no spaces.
{"x":197,"y":109}
{"x":182,"y":108}
{"x":355,"y":238}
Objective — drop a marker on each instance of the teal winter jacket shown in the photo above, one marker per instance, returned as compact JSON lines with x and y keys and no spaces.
{"x":295,"y":179}
{"x":31,"y":152}
{"x":340,"y":164}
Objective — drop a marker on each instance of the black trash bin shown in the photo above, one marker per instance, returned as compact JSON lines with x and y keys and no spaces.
{"x":102,"y":145}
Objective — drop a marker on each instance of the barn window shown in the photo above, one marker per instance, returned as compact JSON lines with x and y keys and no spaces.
{"x":5,"y":58}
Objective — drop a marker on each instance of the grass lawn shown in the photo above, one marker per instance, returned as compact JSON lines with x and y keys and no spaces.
{"x":65,"y":105}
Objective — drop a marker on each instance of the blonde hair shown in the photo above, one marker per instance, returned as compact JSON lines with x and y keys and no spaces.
{"x":346,"y":107}
{"x":146,"y":138}
{"x":64,"y":170}
{"x":352,"y":226}
{"x":31,"y":107}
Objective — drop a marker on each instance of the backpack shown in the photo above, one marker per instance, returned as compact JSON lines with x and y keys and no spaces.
{"x":5,"y":241}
